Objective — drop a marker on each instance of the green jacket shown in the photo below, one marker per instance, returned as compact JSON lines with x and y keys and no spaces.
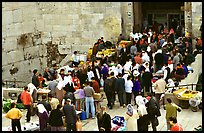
{"x":171,"y":110}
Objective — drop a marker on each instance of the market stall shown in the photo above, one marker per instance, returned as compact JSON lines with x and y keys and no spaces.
{"x":184,"y":95}
{"x":40,"y":92}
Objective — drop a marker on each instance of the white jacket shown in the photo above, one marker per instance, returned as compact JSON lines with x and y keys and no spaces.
{"x":128,"y":86}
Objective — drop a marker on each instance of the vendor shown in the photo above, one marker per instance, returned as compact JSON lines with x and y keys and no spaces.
{"x":75,"y":61}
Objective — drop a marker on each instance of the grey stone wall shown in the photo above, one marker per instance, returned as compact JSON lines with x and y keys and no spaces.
{"x":193,"y":19}
{"x":196,"y":18}
{"x":35,"y":33}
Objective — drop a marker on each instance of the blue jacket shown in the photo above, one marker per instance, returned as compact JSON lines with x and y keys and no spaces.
{"x":136,"y":86}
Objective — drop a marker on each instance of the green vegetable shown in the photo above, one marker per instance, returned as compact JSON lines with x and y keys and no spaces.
{"x":20,"y":106}
{"x":7,"y":106}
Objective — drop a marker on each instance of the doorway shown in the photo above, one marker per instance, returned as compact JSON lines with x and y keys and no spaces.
{"x":173,"y":20}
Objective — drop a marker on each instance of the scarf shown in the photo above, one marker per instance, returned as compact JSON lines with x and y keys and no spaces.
{"x":41,"y":108}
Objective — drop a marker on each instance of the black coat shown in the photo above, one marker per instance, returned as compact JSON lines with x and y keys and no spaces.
{"x":104,"y":122}
{"x":35,"y":81}
{"x":120,"y":85}
{"x":55,"y":118}
{"x":153,"y":108}
{"x":70,"y":114}
{"x":147,"y":78}
{"x":159,"y":59}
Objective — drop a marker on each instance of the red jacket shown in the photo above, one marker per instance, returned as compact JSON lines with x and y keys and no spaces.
{"x":26,"y":98}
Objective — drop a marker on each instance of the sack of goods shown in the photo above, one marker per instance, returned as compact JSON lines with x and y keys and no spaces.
{"x":97,"y":96}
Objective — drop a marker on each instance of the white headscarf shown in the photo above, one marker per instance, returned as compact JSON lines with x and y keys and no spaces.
{"x":31,"y":87}
{"x":142,"y":110}
{"x":141,"y":105}
{"x":41,"y":108}
{"x":60,"y":85}
{"x":67,"y":79}
{"x":119,"y":68}
{"x":139,"y":100}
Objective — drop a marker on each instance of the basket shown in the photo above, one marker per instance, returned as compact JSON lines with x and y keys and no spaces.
{"x":97,"y":96}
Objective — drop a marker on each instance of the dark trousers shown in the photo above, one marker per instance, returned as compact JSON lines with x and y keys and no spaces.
{"x":121,"y":98}
{"x":109,"y":97}
{"x":28,"y":115}
{"x":75,"y":63}
{"x":157,"y":96}
{"x":154,"y":127}
{"x":16,"y":123}
{"x":71,"y":127}
{"x":128,"y":98}
{"x":148,"y":88}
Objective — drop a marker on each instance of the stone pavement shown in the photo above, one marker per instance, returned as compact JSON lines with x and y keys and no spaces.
{"x":186,"y":117}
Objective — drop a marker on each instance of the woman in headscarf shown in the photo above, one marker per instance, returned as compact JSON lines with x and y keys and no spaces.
{"x":33,"y":91}
{"x":142,"y":122}
{"x":60,"y":91}
{"x":131,"y":117}
{"x":43,"y":117}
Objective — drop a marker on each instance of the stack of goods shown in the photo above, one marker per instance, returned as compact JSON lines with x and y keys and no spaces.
{"x":107,"y":52}
{"x":185,"y":94}
{"x":118,"y":123}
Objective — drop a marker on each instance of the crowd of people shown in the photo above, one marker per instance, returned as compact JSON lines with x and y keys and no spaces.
{"x":144,"y":68}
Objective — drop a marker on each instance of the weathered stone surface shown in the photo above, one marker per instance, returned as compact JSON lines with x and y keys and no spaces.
{"x":9,"y":44}
{"x":14,"y":56}
{"x":17,"y":16}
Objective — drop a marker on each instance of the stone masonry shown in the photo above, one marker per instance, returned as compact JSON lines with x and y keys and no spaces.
{"x":36,"y":34}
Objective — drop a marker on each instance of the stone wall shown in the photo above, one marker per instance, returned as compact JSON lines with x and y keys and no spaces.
{"x":36,"y":34}
{"x":193,"y":19}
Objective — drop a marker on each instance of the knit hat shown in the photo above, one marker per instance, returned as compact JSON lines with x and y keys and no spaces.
{"x":129,"y":110}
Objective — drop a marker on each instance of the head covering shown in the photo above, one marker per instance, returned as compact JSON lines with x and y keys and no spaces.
{"x":139,"y":100}
{"x":129,"y":109}
{"x":142,"y":110}
{"x":41,"y":108}
{"x":60,"y":85}
{"x":159,"y":51}
{"x":67,"y":79}
{"x":31,"y":87}
{"x":68,"y":100}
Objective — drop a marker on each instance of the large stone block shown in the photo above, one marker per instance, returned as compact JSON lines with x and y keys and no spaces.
{"x":17,"y":16}
{"x":15,"y":29}
{"x":7,"y":18}
{"x":28,"y":26}
{"x":9,"y":44}
{"x":15,"y":56}
{"x":35,"y":52}
{"x":40,"y":25}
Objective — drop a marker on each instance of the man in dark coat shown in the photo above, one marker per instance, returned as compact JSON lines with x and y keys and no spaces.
{"x":95,"y":50}
{"x":159,"y":60}
{"x":45,"y":103}
{"x":55,"y":119}
{"x":147,"y":80}
{"x":153,"y":110}
{"x":109,"y":92}
{"x":70,"y":116}
{"x":120,"y":89}
{"x":124,"y":55}
{"x":113,"y":80}
{"x":35,"y":80}
{"x":104,"y":120}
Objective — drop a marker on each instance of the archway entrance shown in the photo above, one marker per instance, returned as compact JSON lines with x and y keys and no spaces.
{"x":160,"y":12}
